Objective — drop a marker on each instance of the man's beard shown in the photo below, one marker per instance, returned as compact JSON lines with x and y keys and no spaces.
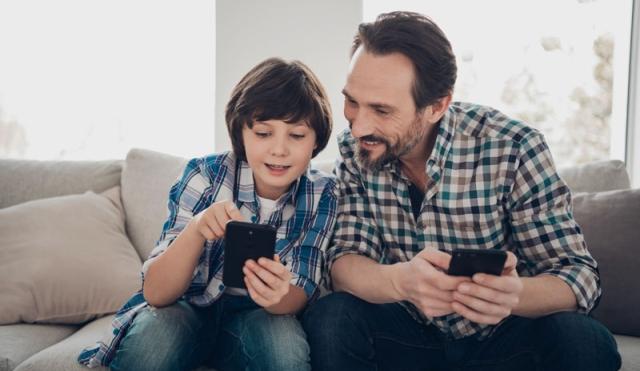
{"x":403,"y":145}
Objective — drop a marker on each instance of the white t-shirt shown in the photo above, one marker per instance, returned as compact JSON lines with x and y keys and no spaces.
{"x":267,"y":207}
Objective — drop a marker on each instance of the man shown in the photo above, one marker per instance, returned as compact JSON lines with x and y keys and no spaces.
{"x":421,"y":176}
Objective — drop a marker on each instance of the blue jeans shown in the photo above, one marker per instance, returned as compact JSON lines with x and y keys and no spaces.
{"x":347,"y":333}
{"x":231,"y":334}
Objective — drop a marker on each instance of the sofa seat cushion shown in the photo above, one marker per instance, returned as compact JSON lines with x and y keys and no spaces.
{"x":62,"y":356}
{"x":629,"y":348}
{"x":610,"y":222}
{"x":18,"y":342}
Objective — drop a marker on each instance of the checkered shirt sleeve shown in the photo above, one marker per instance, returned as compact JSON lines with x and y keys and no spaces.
{"x":548,"y":239}
{"x":355,"y":232}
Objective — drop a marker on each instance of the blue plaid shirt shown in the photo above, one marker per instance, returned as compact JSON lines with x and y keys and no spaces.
{"x":304,"y":218}
{"x":491,"y":184}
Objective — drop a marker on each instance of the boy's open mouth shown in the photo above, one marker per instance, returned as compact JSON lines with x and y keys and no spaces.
{"x":278,"y":167}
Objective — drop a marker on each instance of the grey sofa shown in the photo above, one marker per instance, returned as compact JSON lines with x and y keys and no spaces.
{"x":608,"y":211}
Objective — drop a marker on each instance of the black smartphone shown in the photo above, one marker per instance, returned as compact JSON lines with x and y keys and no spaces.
{"x":243,"y":241}
{"x":467,"y":262}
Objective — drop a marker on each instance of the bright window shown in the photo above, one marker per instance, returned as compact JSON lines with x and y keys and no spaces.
{"x":90,"y":79}
{"x":560,"y":65}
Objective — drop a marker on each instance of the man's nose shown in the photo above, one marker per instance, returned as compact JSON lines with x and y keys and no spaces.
{"x":360,"y":124}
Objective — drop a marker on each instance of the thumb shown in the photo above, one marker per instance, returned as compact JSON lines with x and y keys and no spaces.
{"x":437,"y":258}
{"x":510,"y":264}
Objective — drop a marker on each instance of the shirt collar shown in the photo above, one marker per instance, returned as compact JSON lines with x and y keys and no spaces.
{"x":440,"y":152}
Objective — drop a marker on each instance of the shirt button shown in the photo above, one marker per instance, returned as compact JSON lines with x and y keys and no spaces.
{"x":254,"y":218}
{"x":220,"y":287}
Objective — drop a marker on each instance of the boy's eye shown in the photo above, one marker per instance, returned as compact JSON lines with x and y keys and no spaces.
{"x":297,"y":136}
{"x":262,"y":134}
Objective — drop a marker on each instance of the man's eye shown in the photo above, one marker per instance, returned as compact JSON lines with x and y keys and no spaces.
{"x":382,"y":112}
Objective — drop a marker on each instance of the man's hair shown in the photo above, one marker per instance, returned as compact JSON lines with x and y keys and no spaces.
{"x":418,"y":38}
{"x":278,"y":90}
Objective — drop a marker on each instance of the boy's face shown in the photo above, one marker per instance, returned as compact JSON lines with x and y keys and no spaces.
{"x":278,"y":153}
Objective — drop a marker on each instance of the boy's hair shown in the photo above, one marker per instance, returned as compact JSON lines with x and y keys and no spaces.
{"x":418,"y":38}
{"x":278,"y":90}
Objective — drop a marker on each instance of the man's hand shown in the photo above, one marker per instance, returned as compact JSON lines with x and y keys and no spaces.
{"x":422,"y":282}
{"x":212,"y":222}
{"x":267,"y":281}
{"x":489,"y":299}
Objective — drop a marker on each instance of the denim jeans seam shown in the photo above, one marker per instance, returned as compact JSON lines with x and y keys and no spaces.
{"x":372,"y":364}
{"x":240,"y":348}
{"x":398,"y":341}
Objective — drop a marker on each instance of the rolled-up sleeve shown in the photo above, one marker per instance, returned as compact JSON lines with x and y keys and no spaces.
{"x":548,"y":240}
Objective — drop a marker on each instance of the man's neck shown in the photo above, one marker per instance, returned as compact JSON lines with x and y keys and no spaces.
{"x":414,"y":162}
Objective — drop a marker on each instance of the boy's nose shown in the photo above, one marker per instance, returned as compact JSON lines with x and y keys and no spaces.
{"x":279,"y":148}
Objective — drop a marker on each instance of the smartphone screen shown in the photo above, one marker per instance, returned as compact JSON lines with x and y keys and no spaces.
{"x":467,"y":262}
{"x":245,"y":241}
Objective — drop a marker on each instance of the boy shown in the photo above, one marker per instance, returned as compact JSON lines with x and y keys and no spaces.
{"x":278,"y":118}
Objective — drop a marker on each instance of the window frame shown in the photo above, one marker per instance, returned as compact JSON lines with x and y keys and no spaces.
{"x":632,"y":153}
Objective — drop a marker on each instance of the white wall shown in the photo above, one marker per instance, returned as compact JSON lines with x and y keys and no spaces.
{"x":318,"y":33}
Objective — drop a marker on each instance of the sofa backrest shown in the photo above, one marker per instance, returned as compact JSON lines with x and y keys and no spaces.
{"x":147,"y":177}
{"x":596,"y":176}
{"x":25,"y":180}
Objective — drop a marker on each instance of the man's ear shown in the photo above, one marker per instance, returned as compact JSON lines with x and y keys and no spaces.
{"x":438,"y":108}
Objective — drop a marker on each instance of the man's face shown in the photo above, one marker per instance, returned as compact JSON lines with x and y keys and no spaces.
{"x":380,"y":107}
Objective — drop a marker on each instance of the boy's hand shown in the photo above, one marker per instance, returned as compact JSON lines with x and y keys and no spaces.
{"x":267,"y":281}
{"x":212,"y":222}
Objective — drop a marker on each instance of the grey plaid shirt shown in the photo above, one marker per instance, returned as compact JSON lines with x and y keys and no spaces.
{"x":491,"y":184}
